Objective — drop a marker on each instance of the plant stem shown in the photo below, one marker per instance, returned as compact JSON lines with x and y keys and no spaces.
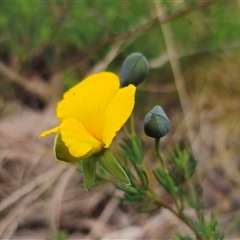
{"x":163,"y":165}
{"x":159,"y":202}
{"x":195,"y":199}
{"x":180,"y":215}
{"x":159,"y":155}
{"x":132,"y":126}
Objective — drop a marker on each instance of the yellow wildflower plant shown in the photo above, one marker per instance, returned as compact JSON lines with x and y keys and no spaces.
{"x":91,"y":113}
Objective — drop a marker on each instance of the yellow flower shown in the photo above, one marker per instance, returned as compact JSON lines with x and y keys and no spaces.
{"x":91,"y":113}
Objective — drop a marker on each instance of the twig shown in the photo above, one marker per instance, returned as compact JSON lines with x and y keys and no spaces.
{"x":160,"y":61}
{"x":179,"y":81}
{"x":57,"y":195}
{"x":183,"y":97}
{"x":181,"y":216}
{"x":103,"y":64}
{"x":40,"y":89}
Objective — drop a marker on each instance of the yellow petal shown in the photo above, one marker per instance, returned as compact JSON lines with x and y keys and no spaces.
{"x":61,"y":151}
{"x":88,"y":101}
{"x":117,"y":113}
{"x":80,"y":143}
{"x":45,"y":133}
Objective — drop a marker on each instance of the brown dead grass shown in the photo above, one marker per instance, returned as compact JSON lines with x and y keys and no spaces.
{"x":40,"y":195}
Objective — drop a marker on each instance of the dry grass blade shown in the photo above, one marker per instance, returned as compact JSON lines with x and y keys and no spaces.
{"x":57,"y":196}
{"x":39,"y":88}
{"x":103,"y":64}
{"x":178,"y":77}
{"x":16,"y":212}
{"x":32,"y":185}
{"x":108,"y":211}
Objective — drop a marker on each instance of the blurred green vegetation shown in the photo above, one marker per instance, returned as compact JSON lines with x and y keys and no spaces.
{"x":70,"y":37}
{"x":41,"y":36}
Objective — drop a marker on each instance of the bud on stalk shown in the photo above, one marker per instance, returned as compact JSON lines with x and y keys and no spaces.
{"x":134,"y":70}
{"x":156,"y":123}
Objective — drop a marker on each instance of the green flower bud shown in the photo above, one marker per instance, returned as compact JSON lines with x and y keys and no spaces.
{"x":134,"y":70}
{"x":156,"y":123}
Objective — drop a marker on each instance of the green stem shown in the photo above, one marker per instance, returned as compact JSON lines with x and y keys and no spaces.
{"x":133,"y":133}
{"x":194,"y":197}
{"x":126,"y":131}
{"x":159,"y":202}
{"x":159,"y":155}
{"x":132,"y":126}
{"x":163,"y":165}
{"x":130,"y":134}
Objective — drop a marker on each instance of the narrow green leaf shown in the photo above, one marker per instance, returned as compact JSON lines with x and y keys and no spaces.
{"x":142,"y":175}
{"x":89,"y":168}
{"x":120,"y":187}
{"x":145,"y":180}
{"x":156,"y":175}
{"x":133,"y":179}
{"x":149,"y":208}
{"x":110,"y":164}
{"x":130,"y":200}
{"x":192,"y":167}
{"x":62,"y":235}
{"x":142,"y":191}
{"x":133,"y":149}
{"x":99,"y":183}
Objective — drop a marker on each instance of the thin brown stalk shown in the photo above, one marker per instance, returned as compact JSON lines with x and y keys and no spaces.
{"x":177,"y":73}
{"x":56,"y":200}
{"x":40,"y":88}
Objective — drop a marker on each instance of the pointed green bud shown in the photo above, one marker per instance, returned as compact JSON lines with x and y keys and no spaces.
{"x":134,"y":70}
{"x":156,"y":123}
{"x":111,"y":165}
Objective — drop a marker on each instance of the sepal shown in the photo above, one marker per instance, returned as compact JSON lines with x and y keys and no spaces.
{"x":89,"y":169}
{"x":111,"y":165}
{"x":61,"y":151}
